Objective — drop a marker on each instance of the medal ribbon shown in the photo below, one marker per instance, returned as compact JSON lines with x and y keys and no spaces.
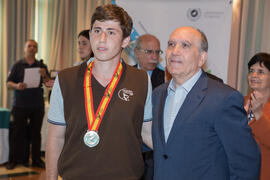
{"x":94,"y":121}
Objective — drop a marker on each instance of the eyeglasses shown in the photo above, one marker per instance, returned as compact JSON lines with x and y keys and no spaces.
{"x":150,"y":51}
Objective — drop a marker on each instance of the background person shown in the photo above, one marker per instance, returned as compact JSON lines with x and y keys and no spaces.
{"x":28,"y":104}
{"x":84,"y":47}
{"x":257,"y":104}
{"x":200,"y":127}
{"x":147,"y":53}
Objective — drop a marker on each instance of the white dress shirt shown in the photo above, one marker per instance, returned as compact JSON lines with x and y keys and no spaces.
{"x":174,"y":101}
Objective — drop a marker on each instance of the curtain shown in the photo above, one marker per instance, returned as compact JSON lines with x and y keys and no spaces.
{"x":15,"y":28}
{"x":85,"y":8}
{"x":255,"y":36}
{"x":3,"y":54}
{"x":265,"y":44}
{"x":61,"y":22}
{"x":57,"y":24}
{"x":54,"y":24}
{"x":250,"y":35}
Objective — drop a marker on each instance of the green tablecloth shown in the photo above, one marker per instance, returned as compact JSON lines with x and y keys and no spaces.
{"x":4,"y":132}
{"x":4,"y":118}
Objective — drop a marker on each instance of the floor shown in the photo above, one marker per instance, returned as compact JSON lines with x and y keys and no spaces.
{"x":22,"y":173}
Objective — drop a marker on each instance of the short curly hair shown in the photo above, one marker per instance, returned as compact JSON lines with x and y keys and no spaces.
{"x":262,"y":58}
{"x":115,"y":13}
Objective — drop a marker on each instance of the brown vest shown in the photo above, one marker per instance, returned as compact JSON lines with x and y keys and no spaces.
{"x":119,"y":153}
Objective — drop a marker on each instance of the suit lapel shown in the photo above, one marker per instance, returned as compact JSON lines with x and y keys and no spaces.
{"x":161,"y":115}
{"x":154,"y":75}
{"x":191,"y":103}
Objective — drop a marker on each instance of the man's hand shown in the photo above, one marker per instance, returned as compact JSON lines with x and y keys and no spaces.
{"x":147,"y":134}
{"x":44,"y":75}
{"x":42,"y":72}
{"x":20,"y":86}
{"x":49,"y":83}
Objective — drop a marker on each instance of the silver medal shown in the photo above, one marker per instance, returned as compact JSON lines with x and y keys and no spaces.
{"x":91,"y":138}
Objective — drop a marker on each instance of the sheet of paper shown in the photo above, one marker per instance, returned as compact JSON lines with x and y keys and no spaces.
{"x":32,"y":77}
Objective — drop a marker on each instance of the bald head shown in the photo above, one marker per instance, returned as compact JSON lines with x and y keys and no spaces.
{"x":186,"y":53}
{"x":145,"y":38}
{"x":203,"y":40}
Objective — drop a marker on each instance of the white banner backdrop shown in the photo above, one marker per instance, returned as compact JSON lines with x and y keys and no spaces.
{"x":161,"y":17}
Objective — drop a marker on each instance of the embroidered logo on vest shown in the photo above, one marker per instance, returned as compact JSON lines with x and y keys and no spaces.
{"x":125,"y":94}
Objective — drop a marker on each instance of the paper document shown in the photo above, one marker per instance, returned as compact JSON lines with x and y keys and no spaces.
{"x":32,"y":77}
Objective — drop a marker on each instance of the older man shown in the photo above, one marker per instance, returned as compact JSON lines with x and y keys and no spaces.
{"x":200,"y":127}
{"x":147,"y":52}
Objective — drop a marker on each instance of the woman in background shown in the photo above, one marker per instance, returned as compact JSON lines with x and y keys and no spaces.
{"x":257,"y":105}
{"x":85,"y":50}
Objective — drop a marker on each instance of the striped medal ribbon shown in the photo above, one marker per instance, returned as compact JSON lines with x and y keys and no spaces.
{"x":91,"y":137}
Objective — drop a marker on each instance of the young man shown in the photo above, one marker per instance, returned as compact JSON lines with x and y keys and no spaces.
{"x":200,"y":127}
{"x":97,"y":108}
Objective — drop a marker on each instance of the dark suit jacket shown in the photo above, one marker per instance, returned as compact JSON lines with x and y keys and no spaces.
{"x":210,"y":138}
{"x":214,"y":77}
{"x":157,"y":77}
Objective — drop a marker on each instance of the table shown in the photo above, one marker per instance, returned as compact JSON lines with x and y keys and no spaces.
{"x":4,"y":134}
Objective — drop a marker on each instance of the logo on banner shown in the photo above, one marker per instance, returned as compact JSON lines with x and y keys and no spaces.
{"x":194,"y":14}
